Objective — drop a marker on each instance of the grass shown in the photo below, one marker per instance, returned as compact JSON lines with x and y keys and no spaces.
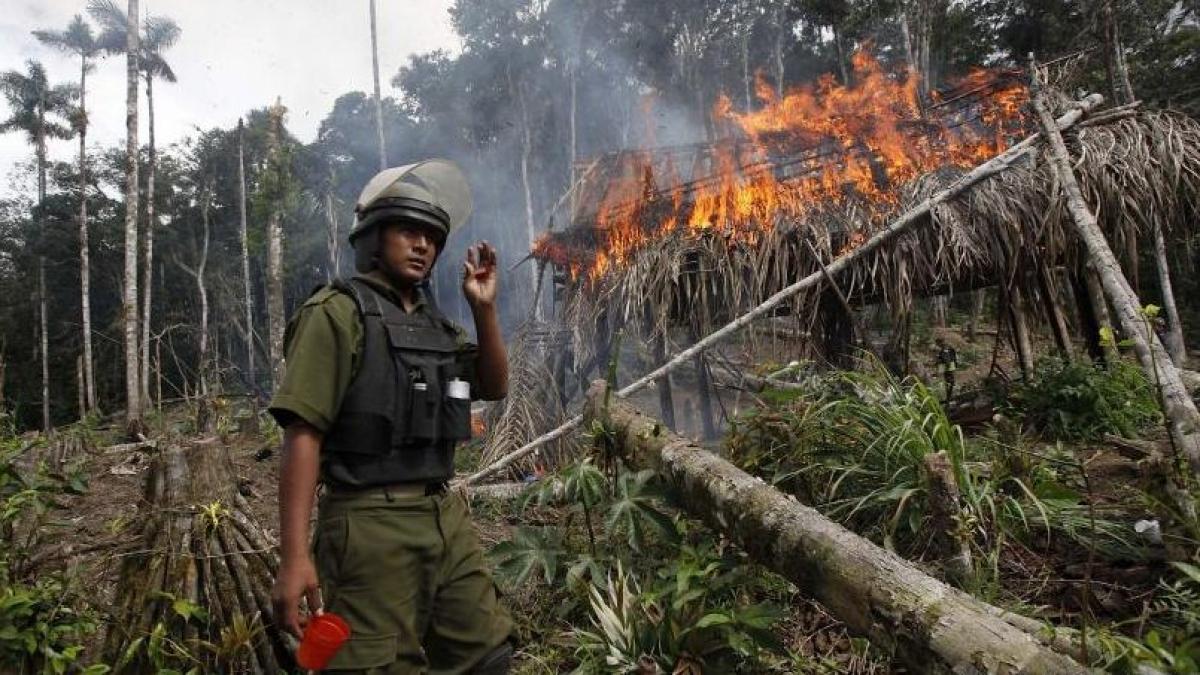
{"x":855,"y":446}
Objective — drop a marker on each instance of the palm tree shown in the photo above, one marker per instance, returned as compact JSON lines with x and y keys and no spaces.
{"x":79,"y":39}
{"x":116,"y":37}
{"x":34,"y":103}
{"x":156,"y":36}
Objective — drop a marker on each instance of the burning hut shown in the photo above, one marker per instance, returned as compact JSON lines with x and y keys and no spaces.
{"x":814,"y":220}
{"x":693,"y":236}
{"x":670,"y":243}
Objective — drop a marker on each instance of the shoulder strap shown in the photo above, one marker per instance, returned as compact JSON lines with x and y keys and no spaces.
{"x":432,"y":309}
{"x":366,"y":300}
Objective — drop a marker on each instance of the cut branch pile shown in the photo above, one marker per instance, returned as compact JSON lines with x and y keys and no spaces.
{"x":200,"y":549}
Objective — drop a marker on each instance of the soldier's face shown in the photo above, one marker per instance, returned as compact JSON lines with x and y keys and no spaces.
{"x":407,"y":251}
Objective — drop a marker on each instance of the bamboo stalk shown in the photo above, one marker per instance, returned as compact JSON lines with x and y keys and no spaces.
{"x":899,"y":226}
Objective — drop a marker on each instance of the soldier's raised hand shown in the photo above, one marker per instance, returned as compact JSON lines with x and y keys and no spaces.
{"x":480,"y":275}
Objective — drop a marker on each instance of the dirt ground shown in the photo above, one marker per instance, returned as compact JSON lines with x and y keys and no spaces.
{"x":96,"y":531}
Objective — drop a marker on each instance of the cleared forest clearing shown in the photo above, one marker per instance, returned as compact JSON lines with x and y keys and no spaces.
{"x":851,"y":336}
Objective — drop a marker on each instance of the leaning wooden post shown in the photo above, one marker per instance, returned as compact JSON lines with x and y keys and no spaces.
{"x":666,"y":402}
{"x":1175,"y":342}
{"x":1183,"y":418}
{"x":928,"y":625}
{"x":1054,"y":312}
{"x":704,"y":386}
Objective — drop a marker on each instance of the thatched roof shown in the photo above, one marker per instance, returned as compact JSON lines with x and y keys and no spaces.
{"x":1139,"y":170}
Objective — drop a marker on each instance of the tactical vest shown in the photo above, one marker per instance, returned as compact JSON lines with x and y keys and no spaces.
{"x":400,"y":417}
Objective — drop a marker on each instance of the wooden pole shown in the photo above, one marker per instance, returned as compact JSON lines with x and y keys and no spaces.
{"x":1020,"y":328}
{"x":1183,"y":418}
{"x":666,"y":402}
{"x":1058,"y":319}
{"x":907,"y":221}
{"x":1175,"y":343}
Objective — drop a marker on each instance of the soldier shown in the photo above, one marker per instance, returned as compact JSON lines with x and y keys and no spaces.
{"x":375,"y":396}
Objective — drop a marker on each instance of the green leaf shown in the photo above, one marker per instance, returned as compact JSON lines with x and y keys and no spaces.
{"x":1188,"y":569}
{"x":633,"y":510}
{"x":188,"y":610}
{"x":714,"y":619}
{"x":130,"y":652}
{"x":531,"y":549}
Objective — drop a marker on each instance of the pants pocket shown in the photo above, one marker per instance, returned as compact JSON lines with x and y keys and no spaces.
{"x":329,"y":547}
{"x":365,"y":651}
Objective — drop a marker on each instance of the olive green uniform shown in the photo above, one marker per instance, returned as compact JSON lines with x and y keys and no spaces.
{"x":407,"y":572}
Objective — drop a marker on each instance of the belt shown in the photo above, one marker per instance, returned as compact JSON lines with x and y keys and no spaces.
{"x":394,"y":489}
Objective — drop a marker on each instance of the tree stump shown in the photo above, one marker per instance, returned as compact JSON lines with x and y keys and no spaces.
{"x":945,"y":509}
{"x":200,"y":548}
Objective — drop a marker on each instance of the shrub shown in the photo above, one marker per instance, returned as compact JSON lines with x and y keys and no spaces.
{"x":1081,"y":401}
{"x":42,"y":624}
{"x":854,"y":447}
{"x":40,"y":629}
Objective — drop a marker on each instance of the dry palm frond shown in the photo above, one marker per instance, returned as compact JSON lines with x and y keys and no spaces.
{"x":531,"y":408}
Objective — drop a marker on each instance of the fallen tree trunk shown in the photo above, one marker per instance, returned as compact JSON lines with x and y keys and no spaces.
{"x":928,"y":625}
{"x":200,"y":548}
{"x":894,"y":229}
{"x":1183,"y":418}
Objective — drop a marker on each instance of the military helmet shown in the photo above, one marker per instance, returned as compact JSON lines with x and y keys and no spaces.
{"x":433,"y":192}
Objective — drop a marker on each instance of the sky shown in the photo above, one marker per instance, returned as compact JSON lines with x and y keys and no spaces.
{"x":232,"y":56}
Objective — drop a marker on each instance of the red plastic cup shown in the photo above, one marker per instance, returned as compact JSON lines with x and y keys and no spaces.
{"x":323,"y":637}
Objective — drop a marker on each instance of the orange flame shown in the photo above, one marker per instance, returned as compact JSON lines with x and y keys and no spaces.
{"x":817,"y":146}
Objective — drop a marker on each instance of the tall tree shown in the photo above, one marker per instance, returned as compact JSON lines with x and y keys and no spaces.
{"x":157,"y":35}
{"x":276,"y":190}
{"x":378,"y":100}
{"x":133,"y":409}
{"x":117,"y":37}
{"x":35,"y":105}
{"x":79,"y":39}
{"x":526,"y":151}
{"x":243,"y":237}
{"x":197,"y":273}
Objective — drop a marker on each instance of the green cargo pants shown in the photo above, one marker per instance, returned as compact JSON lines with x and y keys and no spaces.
{"x":408,"y":574}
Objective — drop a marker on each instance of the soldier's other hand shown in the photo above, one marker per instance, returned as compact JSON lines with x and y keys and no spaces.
{"x":297,"y":579}
{"x":480,"y":275}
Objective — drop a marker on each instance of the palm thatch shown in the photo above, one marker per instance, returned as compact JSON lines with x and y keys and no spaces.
{"x":531,"y":408}
{"x":1137,"y":170}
